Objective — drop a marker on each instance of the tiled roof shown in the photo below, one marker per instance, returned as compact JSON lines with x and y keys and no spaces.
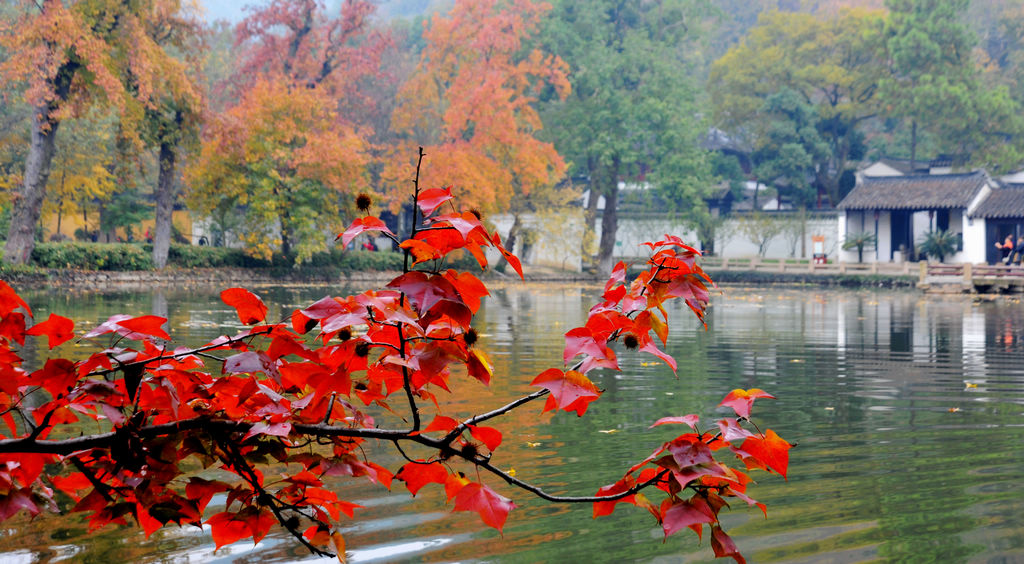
{"x":1004,"y":202}
{"x":917,"y":192}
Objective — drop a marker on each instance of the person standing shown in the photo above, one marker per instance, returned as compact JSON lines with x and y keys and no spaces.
{"x":1006,"y":249}
{"x":1018,"y":252}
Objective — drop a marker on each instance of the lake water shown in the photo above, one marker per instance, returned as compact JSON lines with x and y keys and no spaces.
{"x":908,"y":411}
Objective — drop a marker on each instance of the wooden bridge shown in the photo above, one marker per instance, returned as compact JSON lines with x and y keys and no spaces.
{"x":932,"y":277}
{"x":975,"y":278}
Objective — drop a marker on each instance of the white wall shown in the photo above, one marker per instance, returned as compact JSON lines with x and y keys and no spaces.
{"x":554,"y":238}
{"x":857,"y":221}
{"x":975,"y":247}
{"x":729,"y":241}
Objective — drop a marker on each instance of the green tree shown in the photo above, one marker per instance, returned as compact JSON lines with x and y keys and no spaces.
{"x":790,"y":147}
{"x":934,"y":84}
{"x":632,"y":113}
{"x":831,"y":63}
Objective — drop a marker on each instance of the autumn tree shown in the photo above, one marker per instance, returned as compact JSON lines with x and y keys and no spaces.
{"x":323,"y":400}
{"x":71,"y":55}
{"x":293,"y":143}
{"x":82,"y":165}
{"x":832,"y":63}
{"x":282,"y":158}
{"x":632,"y":113}
{"x":471,"y":104}
{"x":171,"y":123}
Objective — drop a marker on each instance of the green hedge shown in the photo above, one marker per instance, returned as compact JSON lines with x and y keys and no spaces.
{"x":194,"y":256}
{"x":128,"y":256}
{"x":92,"y":256}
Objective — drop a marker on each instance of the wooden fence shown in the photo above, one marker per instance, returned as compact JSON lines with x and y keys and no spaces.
{"x":931,"y":276}
{"x":758,"y":264}
{"x":973,"y":277}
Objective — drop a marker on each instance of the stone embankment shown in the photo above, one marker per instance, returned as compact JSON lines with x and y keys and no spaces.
{"x":228,"y":277}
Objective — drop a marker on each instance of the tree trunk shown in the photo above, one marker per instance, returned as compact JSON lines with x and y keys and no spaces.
{"x":913,"y":146}
{"x":590,"y":214}
{"x":28,"y":206}
{"x":285,"y":218}
{"x":166,"y":192}
{"x":513,"y":233}
{"x":803,"y":231}
{"x":609,"y":222}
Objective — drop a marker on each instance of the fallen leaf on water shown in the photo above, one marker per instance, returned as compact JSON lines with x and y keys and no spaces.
{"x":608,"y":431}
{"x":970,"y":384}
{"x":954,"y":409}
{"x":511,"y":472}
{"x":830,"y":408}
{"x":532,"y":445}
{"x":796,"y":360}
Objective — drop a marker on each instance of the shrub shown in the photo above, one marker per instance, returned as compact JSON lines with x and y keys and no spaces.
{"x":195,"y":256}
{"x":92,"y":256}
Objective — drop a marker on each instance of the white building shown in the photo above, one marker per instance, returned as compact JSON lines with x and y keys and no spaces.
{"x":899,"y":209}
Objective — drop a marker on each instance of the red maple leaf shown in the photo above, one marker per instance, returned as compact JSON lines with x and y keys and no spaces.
{"x":10,"y":300}
{"x":602,"y":508}
{"x":250,"y":307}
{"x":490,"y":436}
{"x":57,"y":329}
{"x":432,"y":198}
{"x":723,"y":545}
{"x":571,"y":390}
{"x":690,"y":420}
{"x":479,"y":366}
{"x":692,"y":513}
{"x":492,"y":506}
{"x":771,"y":449}
{"x":226,"y":527}
{"x":368,"y":223}
{"x":742,"y":400}
{"x":417,"y":474}
{"x":146,"y":326}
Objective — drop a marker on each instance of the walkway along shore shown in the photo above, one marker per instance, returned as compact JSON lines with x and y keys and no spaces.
{"x":946,"y":278}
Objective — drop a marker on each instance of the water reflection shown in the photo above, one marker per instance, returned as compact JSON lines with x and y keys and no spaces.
{"x":908,"y":410}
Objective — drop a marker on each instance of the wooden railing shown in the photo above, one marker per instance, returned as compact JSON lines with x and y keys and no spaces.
{"x":971,"y":272}
{"x":971,"y":277}
{"x":804,"y":266}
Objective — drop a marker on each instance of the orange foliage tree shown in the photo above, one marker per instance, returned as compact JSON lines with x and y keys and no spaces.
{"x":322,"y":399}
{"x":70,"y":55}
{"x":284,"y":155}
{"x":470,"y":104}
{"x":283,"y":159}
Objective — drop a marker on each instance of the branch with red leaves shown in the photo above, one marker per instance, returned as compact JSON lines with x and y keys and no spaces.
{"x":308,"y":393}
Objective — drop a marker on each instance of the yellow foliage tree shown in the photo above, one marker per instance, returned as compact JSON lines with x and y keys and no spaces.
{"x":81,"y":168}
{"x":70,"y":55}
{"x":283,"y":159}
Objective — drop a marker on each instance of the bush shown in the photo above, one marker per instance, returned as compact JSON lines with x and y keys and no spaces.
{"x":127,"y":256}
{"x":92,"y":256}
{"x":195,"y":256}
